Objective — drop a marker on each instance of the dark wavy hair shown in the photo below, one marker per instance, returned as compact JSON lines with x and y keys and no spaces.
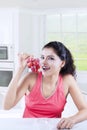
{"x":65,"y":55}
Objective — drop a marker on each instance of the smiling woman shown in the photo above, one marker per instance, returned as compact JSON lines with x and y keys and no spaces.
{"x":46,"y":90}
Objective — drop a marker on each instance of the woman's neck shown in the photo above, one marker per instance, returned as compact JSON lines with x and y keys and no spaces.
{"x":51,"y":79}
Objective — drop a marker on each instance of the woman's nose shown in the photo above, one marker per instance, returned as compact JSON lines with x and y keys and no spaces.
{"x":44,"y":60}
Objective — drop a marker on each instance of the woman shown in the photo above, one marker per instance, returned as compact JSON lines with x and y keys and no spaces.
{"x":46,"y":91}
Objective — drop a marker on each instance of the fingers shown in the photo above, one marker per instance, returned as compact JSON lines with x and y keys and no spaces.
{"x":65,"y":123}
{"x":24,"y":55}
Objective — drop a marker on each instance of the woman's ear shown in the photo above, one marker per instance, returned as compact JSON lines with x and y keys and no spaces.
{"x":63,"y":63}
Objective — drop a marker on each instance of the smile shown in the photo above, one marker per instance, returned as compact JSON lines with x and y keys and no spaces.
{"x":45,"y":68}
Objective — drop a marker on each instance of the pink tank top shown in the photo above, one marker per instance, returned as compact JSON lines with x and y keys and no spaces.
{"x":37,"y":106}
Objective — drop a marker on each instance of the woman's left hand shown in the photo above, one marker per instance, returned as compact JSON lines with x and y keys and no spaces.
{"x":66,"y":123}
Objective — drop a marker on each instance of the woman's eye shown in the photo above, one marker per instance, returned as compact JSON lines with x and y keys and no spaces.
{"x":42,"y":57}
{"x":50,"y":58}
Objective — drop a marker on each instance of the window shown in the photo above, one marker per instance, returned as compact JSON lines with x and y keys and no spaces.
{"x":71,"y":29}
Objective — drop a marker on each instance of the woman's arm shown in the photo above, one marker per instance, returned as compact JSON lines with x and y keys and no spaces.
{"x":79,"y":102}
{"x":17,"y":87}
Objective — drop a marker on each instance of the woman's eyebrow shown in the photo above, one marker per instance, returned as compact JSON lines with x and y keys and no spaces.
{"x":48,"y":55}
{"x":51,"y":56}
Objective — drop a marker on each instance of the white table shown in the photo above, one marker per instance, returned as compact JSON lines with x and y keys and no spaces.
{"x":35,"y":124}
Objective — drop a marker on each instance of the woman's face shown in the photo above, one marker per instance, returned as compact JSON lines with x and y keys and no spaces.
{"x":50,"y":62}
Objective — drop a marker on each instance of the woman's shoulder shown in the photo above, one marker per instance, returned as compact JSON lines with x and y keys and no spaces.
{"x":32,"y":78}
{"x":69,"y":79}
{"x":69,"y":82}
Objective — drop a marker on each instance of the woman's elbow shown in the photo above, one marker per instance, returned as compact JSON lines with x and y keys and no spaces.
{"x":6,"y":106}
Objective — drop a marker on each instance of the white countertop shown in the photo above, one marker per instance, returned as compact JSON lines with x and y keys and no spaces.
{"x":35,"y":124}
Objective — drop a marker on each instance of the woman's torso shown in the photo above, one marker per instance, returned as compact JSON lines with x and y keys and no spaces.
{"x":37,"y":105}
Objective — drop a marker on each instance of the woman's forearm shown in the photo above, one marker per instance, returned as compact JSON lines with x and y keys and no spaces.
{"x":80,"y":116}
{"x":11,"y":94}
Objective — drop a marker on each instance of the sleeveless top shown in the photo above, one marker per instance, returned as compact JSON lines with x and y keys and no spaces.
{"x":37,"y":106}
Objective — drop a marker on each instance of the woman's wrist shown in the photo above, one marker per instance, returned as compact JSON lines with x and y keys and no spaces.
{"x":20,"y":69}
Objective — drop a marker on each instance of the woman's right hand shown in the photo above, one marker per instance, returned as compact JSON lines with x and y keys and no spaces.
{"x":23,"y":57}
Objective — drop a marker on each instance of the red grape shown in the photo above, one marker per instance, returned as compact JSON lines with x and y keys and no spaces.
{"x":34,"y":64}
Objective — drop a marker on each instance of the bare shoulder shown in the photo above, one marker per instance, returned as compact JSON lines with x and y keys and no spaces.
{"x":31,"y":78}
{"x":69,"y":83}
{"x":69,"y":79}
{"x":31,"y":75}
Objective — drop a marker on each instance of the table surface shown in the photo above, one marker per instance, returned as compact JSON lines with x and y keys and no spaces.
{"x":35,"y":124}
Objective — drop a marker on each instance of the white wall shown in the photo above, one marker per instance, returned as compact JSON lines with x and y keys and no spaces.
{"x":82,"y":80}
{"x":30,"y":32}
{"x":5,"y":26}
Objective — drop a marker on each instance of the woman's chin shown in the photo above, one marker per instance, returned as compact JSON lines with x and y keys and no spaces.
{"x":46,"y":73}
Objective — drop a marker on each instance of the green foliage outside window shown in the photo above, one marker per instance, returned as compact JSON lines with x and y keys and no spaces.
{"x":72,"y":32}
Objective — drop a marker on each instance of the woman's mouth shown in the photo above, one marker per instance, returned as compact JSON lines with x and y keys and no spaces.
{"x":45,"y":68}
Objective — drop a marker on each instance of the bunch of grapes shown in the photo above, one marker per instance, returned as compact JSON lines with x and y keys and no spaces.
{"x":34,"y":64}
